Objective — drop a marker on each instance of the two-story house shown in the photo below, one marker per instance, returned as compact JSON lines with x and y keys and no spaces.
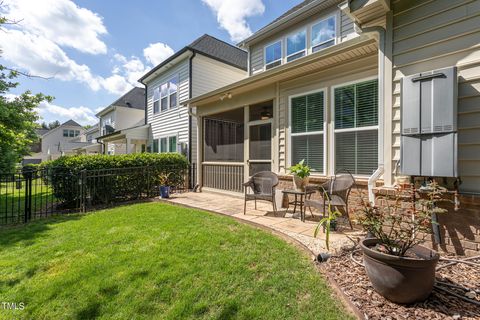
{"x":122,"y":127}
{"x":60,"y":141}
{"x":204,"y":65}
{"x":379,"y":88}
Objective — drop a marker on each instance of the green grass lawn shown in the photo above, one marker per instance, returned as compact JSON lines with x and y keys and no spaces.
{"x":12,"y":200}
{"x":154,"y":260}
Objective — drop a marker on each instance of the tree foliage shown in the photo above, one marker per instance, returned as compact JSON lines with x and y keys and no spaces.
{"x":18,"y":118}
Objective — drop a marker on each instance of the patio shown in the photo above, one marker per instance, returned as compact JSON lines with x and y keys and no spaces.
{"x":284,"y":222}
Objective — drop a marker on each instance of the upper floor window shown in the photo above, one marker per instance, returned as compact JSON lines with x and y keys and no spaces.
{"x":71,"y":133}
{"x":273,"y":55}
{"x":156,"y":100}
{"x":166,"y":96}
{"x":296,"y":45}
{"x":323,"y":34}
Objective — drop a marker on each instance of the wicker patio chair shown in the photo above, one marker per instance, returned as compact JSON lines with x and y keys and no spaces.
{"x":334,"y":192}
{"x":262,"y":185}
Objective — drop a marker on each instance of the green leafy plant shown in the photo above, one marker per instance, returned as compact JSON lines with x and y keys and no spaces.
{"x":401,"y":225}
{"x":300,"y":169}
{"x":327,"y":221}
{"x":164,"y":178}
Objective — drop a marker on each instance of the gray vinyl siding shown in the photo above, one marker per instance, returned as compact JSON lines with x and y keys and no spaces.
{"x":345,"y":32}
{"x":209,"y":74}
{"x":173,"y":121}
{"x":436,"y":34}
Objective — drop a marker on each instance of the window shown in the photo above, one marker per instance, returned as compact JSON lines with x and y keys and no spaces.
{"x":273,"y":55}
{"x":65,"y":133}
{"x":77,"y":133}
{"x":164,"y":96}
{"x":163,"y":145}
{"x":172,"y":91}
{"x":156,"y":100}
{"x":323,"y":34}
{"x":172,"y":144}
{"x":307,"y":130}
{"x":155,"y":146}
{"x":356,"y":127}
{"x":296,"y":45}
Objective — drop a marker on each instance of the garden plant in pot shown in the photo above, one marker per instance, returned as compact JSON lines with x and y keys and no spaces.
{"x":301,"y":174}
{"x":399,"y":268}
{"x":164,"y":180}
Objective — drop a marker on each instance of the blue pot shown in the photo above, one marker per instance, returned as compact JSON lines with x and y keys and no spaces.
{"x":164,"y":192}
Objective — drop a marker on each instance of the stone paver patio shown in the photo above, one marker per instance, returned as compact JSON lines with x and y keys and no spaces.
{"x":283,"y":221}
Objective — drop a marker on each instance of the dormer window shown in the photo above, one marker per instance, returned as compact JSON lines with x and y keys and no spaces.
{"x":296,"y":45}
{"x":323,"y":34}
{"x":273,"y":55}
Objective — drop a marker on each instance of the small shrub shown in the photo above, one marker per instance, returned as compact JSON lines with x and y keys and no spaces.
{"x":131,"y":177}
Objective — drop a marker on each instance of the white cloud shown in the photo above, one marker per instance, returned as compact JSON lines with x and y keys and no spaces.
{"x":155,"y":53}
{"x":82,"y":115}
{"x":61,"y":21}
{"x":232,"y":15}
{"x":40,"y":56}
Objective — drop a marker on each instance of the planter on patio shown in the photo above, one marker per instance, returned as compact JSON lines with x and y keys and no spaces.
{"x":400,"y":279}
{"x":164,"y":192}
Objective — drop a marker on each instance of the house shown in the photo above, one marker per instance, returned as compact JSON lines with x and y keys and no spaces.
{"x":35,"y":149}
{"x":328,"y":82}
{"x":122,"y":127}
{"x":58,"y":141}
{"x":202,"y":66}
{"x":90,"y":137}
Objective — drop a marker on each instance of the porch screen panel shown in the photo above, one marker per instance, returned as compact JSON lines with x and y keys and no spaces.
{"x":172,"y":144}
{"x":223,"y":140}
{"x":307,"y":133}
{"x":356,"y":128}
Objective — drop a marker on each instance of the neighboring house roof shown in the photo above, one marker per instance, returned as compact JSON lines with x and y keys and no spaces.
{"x":70,"y":123}
{"x":134,"y":99}
{"x":210,"y":47}
{"x":40,"y":132}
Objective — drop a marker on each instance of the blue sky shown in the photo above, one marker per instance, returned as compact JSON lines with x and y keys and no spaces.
{"x":95,"y":50}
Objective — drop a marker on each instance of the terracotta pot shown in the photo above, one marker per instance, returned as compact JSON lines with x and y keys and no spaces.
{"x":400,"y":279}
{"x":300,"y":183}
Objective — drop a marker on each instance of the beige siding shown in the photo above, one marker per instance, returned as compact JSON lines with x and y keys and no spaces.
{"x":174,"y":121}
{"x":345,"y":32}
{"x":436,"y":34}
{"x":209,"y":74}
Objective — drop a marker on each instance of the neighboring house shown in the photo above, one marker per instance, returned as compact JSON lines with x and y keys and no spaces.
{"x":36,"y":149}
{"x":90,"y":137}
{"x":60,"y":141}
{"x":122,"y":127}
{"x":204,"y":65}
{"x":325,"y":85}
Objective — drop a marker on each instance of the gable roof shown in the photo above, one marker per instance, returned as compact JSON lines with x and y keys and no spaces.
{"x":40,"y":132}
{"x":210,"y":47}
{"x":134,"y":98}
{"x":70,"y":123}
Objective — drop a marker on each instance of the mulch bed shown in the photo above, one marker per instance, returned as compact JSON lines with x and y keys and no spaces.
{"x":353,"y":281}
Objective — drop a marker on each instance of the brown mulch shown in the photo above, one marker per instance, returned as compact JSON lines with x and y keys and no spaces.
{"x":353,"y":281}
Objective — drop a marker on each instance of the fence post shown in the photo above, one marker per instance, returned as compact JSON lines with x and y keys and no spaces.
{"x":28,"y":195}
{"x":82,"y":187}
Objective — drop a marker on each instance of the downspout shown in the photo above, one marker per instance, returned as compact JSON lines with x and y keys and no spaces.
{"x":146,"y":113}
{"x":381,"y":33}
{"x":190,"y":90}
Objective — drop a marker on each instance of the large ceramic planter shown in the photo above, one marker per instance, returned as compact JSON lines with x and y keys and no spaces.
{"x":400,"y":279}
{"x":164,"y":192}
{"x":300,"y":183}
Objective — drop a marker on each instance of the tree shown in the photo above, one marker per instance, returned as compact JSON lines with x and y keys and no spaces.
{"x":51,"y":125}
{"x":17,"y":118}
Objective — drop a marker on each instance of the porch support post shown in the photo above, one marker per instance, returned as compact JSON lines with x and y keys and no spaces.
{"x":128,"y":145}
{"x":200,"y":147}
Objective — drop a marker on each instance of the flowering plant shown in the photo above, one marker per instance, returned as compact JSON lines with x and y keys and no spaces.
{"x":400,"y":225}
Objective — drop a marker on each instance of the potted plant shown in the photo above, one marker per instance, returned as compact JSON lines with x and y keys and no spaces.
{"x":399,"y":268}
{"x":164,"y":180}
{"x":301,"y":174}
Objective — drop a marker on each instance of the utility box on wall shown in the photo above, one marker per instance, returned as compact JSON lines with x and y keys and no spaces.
{"x":429,"y":124}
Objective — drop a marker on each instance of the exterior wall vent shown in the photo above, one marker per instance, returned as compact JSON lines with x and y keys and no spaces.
{"x":429,"y":124}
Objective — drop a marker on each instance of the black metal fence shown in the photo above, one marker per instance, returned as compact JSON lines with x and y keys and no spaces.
{"x":31,"y":194}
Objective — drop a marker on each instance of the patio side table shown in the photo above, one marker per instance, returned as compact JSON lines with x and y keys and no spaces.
{"x":299,"y":199}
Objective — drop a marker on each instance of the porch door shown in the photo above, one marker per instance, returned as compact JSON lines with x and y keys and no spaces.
{"x":260,"y":147}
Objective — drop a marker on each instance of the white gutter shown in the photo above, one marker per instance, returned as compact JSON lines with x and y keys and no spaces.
{"x":381,"y":33}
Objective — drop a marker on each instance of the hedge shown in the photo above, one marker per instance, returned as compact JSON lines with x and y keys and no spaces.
{"x":108,"y":178}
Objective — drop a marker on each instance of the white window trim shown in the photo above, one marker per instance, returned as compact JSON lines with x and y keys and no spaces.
{"x":159,"y":87}
{"x":265,"y":54}
{"x":335,"y":38}
{"x":323,"y":132}
{"x":303,"y":50}
{"x":332,"y":136}
{"x":167,"y":136}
